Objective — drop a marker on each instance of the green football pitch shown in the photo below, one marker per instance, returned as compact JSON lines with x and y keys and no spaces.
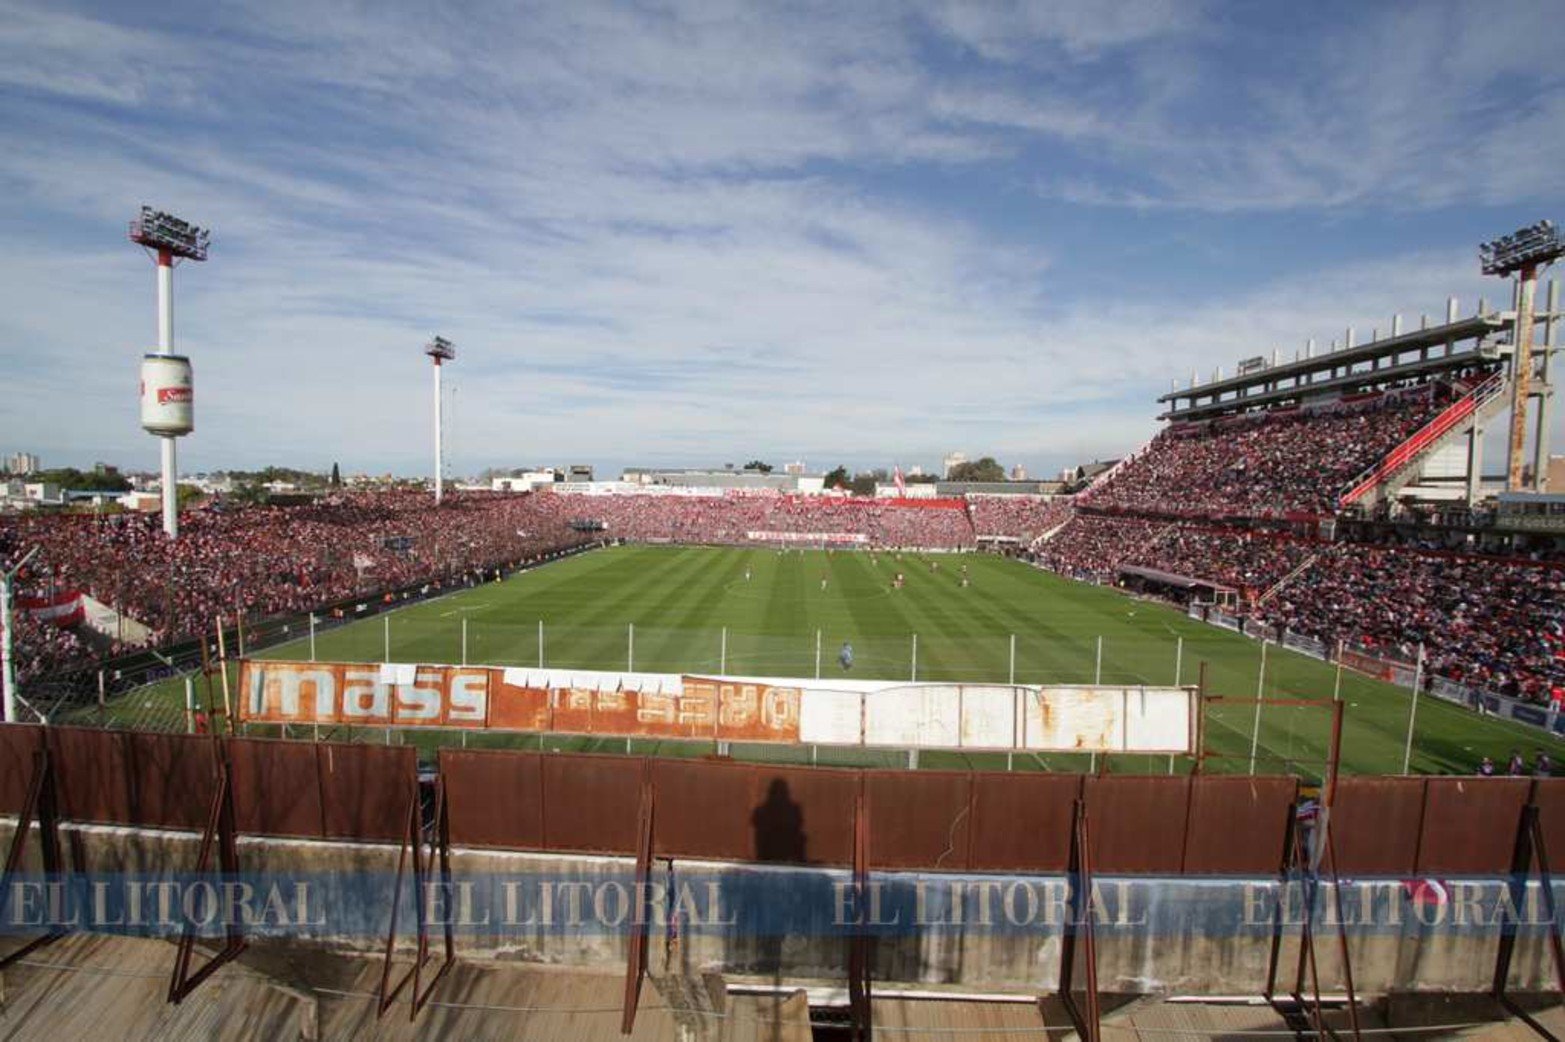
{"x":761,"y":612}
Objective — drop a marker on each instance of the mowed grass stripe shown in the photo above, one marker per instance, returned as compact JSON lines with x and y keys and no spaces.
{"x":680,"y":598}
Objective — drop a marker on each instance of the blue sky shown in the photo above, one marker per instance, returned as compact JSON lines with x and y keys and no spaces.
{"x":694,"y":233}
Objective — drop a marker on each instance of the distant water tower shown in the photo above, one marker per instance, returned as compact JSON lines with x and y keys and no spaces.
{"x":167,"y":390}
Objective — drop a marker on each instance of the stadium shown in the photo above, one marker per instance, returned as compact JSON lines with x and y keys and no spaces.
{"x":1252,"y":614}
{"x":1249,"y":731}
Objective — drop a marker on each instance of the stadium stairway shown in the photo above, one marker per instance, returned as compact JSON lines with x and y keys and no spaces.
{"x":1285,"y":580}
{"x":1403,"y":464}
{"x":1044,"y":537}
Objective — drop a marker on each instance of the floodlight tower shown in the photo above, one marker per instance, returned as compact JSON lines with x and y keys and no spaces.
{"x":1521,"y":254}
{"x":167,"y":393}
{"x":439,"y":350}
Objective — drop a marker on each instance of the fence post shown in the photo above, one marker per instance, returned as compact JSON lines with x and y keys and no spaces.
{"x":1255,"y":730}
{"x":1179,"y":670}
{"x":722,"y":655}
{"x":386,"y":619}
{"x":464,"y":640}
{"x":1097,"y":670}
{"x":190,"y":704}
{"x":817,"y":654}
{"x":1412,"y":712}
{"x":101,"y":689}
{"x":239,"y":623}
{"x":1336,"y":687}
{"x":312,"y":636}
{"x":540,"y":643}
{"x":222,"y":661}
{"x":1013,"y":668}
{"x":630,"y":654}
{"x":915,"y":657}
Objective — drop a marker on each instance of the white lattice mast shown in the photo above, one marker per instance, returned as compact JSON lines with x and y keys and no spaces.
{"x":439,"y":350}
{"x":167,"y":391}
{"x":1522,"y":253}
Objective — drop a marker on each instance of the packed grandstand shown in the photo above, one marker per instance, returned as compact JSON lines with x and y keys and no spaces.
{"x":1246,"y":508}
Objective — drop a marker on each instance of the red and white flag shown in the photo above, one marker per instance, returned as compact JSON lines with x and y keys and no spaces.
{"x":63,"y":608}
{"x":896,"y":475}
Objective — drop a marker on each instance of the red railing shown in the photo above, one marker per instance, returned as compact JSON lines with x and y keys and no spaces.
{"x":1421,"y":439}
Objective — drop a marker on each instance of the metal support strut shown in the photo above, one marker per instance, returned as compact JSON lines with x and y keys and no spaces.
{"x":219,"y":832}
{"x":1530,"y":847}
{"x":860,"y":1010}
{"x":636,"y":954}
{"x":40,"y":803}
{"x":412,"y":839}
{"x":1088,"y":1021}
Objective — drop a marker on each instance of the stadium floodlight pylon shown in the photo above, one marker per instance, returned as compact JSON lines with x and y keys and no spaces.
{"x":439,"y":350}
{"x":167,"y":406}
{"x":1521,"y":253}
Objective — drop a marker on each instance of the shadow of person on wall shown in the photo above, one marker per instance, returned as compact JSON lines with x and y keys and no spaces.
{"x":783,"y":902}
{"x":778,"y":824}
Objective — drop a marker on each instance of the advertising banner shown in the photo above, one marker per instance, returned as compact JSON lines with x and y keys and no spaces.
{"x":672,"y":705}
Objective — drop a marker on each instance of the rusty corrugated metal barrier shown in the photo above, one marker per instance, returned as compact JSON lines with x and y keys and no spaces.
{"x":18,"y":745}
{"x":1375,"y":826}
{"x":277,"y":791}
{"x":1137,"y":824}
{"x":1470,"y":824}
{"x":725,"y":811}
{"x":1238,"y":825}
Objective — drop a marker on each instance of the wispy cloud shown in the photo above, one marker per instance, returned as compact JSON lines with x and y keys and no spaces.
{"x":692,"y":231}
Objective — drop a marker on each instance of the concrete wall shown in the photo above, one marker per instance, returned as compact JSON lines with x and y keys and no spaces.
{"x":969,"y":933}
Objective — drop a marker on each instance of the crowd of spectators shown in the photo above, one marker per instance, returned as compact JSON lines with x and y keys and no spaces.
{"x":264,"y":560}
{"x":1092,"y":547}
{"x":749,"y":519}
{"x":1493,"y":623}
{"x":1021,"y":518}
{"x":272,"y":560}
{"x":1250,"y":562}
{"x":1267,"y":463}
{"x":1484,"y":621}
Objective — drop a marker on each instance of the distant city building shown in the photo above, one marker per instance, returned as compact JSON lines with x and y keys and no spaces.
{"x":1018,"y":473}
{"x":945,"y":489}
{"x":579,"y":472}
{"x":952,"y":461}
{"x":44,"y":493}
{"x":22,"y":463}
{"x":524,"y":482}
{"x":795,"y":468}
{"x":722,"y":480}
{"x":915,"y":471}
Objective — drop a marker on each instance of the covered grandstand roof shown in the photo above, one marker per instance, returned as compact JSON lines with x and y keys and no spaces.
{"x":1372,"y":364}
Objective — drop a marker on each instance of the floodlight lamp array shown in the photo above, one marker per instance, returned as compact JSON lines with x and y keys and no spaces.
{"x":440,"y":349}
{"x":157,"y":230}
{"x":1528,"y":247}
